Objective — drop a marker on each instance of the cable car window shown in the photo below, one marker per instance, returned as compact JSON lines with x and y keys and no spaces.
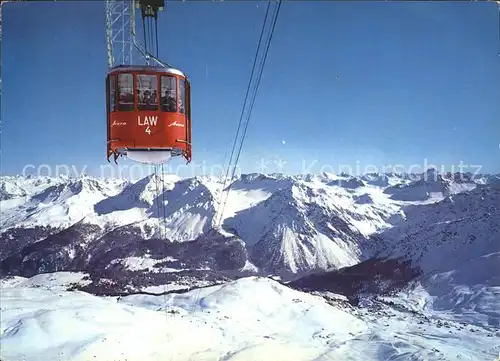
{"x":126,"y":92}
{"x":147,"y":92}
{"x":112,"y":93}
{"x":182,"y":96}
{"x":168,"y":93}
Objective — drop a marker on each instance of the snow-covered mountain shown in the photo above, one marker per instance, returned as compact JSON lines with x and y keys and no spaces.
{"x":287,"y":225}
{"x":431,"y":185}
{"x":396,"y":267}
{"x":308,"y":225}
{"x":66,"y":224}
{"x":462,"y":226}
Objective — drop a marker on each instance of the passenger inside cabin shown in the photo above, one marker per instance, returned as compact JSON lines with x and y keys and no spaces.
{"x":181,"y":106}
{"x":126,"y":93}
{"x":126,"y":101}
{"x":146,"y":92}
{"x":168,"y":102}
{"x":146,"y":99}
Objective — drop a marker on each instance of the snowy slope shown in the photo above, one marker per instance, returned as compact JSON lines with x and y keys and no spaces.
{"x":309,"y":225}
{"x":55,"y":202}
{"x":456,"y":245}
{"x":469,"y":293}
{"x":249,"y":319}
{"x":430,"y":185}
{"x":442,"y":236}
{"x":181,"y":211}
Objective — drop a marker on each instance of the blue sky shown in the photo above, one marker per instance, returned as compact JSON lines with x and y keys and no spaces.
{"x":358,"y":84}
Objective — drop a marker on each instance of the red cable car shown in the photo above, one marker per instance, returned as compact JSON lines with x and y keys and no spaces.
{"x":148,"y":113}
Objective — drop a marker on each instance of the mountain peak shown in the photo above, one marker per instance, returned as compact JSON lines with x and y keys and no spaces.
{"x":288,"y":224}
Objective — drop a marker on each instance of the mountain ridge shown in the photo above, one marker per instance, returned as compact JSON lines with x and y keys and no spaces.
{"x":286,"y":225}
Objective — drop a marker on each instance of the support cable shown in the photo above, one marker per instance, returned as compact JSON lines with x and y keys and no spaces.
{"x":220,"y":208}
{"x":222,"y":205}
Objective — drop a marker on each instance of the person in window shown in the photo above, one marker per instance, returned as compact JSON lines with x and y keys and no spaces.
{"x":181,"y":106}
{"x":172,"y":107}
{"x":127,"y":97}
{"x":147,"y":97}
{"x":126,"y":101}
{"x":149,"y":103}
{"x":168,"y":102}
{"x":139,"y":96}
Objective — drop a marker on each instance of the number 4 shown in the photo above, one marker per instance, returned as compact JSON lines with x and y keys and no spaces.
{"x":148,"y":130}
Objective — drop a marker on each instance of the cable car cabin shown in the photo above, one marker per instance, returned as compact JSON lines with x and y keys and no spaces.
{"x":148,"y":114}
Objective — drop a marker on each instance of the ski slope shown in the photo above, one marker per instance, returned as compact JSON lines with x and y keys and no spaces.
{"x":248,"y":319}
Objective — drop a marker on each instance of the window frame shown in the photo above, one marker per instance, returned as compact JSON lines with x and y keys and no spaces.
{"x":188,"y":99}
{"x":171,"y":76}
{"x":138,"y":106}
{"x":124,"y":107}
{"x":182,"y":94}
{"x":187,"y":87}
{"x":111,"y":90}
